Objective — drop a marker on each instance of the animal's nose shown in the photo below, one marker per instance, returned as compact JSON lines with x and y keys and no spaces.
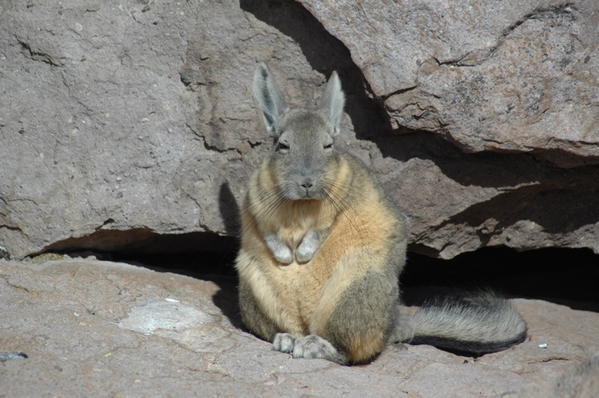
{"x":307,"y":183}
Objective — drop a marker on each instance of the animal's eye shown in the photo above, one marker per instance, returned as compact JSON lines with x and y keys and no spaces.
{"x":328,"y":146}
{"x":282,"y":147}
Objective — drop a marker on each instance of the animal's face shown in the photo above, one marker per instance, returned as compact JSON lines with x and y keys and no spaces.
{"x":304,"y":160}
{"x":304,"y":156}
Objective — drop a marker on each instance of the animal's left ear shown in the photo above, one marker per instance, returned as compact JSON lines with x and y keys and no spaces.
{"x":332,"y":102}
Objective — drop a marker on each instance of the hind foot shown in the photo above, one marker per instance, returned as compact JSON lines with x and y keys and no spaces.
{"x":310,"y":346}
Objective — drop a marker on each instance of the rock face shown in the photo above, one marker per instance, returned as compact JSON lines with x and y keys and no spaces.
{"x":127,"y":117}
{"x":508,"y":76}
{"x":145,"y":333}
{"x":124,"y":124}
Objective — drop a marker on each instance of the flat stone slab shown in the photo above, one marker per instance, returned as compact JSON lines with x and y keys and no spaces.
{"x":82,"y":327}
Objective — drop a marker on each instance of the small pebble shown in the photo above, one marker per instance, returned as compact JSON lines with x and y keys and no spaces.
{"x":5,"y":356}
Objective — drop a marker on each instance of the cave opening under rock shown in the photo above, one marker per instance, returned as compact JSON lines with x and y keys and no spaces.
{"x":564,"y":276}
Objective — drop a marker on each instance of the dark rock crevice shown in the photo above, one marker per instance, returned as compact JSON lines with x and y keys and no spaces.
{"x":37,"y":55}
{"x":144,"y":242}
{"x":537,"y":204}
{"x":564,"y":276}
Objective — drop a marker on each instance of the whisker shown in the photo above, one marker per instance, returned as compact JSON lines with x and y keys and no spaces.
{"x":270,"y":207}
{"x":266,"y":203}
{"x":340,"y":205}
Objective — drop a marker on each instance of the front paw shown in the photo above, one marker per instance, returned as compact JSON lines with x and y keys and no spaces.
{"x":304,"y":254}
{"x":283,"y":254}
{"x":307,"y":248}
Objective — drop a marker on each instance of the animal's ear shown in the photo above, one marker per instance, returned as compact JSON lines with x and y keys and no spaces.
{"x":269,"y":97}
{"x":332,"y":102}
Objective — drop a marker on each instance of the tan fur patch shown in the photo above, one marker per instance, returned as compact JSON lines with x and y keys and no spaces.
{"x":365,"y":347}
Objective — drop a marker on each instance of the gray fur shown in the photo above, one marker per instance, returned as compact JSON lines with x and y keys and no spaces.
{"x":304,"y":138}
{"x":283,"y":342}
{"x":269,"y":97}
{"x":332,"y":103}
{"x":253,"y":316}
{"x":478,"y":324}
{"x":368,"y":304}
{"x":310,"y":346}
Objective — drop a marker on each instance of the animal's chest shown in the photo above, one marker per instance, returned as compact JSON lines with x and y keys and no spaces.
{"x":300,"y":286}
{"x":295,"y":219}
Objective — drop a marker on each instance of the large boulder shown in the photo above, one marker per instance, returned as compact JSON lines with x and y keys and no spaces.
{"x":500,"y":76}
{"x":132,"y":126}
{"x":130,"y":117}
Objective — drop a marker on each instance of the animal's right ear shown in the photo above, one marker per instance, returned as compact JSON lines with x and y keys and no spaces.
{"x":332,"y":102}
{"x":269,"y":97}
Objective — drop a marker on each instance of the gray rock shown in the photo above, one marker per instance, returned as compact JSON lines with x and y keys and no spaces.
{"x":132,"y":127}
{"x":97,"y":328}
{"x":508,"y":76}
{"x":131,"y":117}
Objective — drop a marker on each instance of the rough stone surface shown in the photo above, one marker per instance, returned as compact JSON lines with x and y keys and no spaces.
{"x":128,"y":116}
{"x":130,"y":125}
{"x":511,"y":75}
{"x":96,"y":328}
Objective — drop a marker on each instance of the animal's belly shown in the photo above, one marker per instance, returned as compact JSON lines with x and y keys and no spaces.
{"x":301,"y":287}
{"x":298,"y":290}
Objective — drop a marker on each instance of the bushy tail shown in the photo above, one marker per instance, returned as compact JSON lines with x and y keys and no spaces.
{"x":477,"y":325}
